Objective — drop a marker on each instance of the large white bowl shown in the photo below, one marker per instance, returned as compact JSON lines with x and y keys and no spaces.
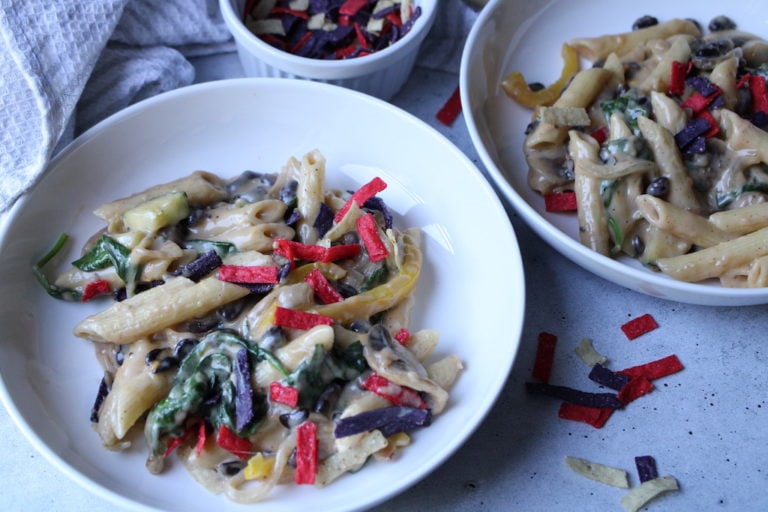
{"x":527,"y":36}
{"x":381,"y":74}
{"x":49,"y":377}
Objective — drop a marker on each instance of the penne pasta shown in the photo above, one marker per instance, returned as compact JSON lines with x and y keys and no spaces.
{"x":598,"y":48}
{"x":716,"y":260}
{"x":163,"y":306}
{"x":661,"y":142}
{"x":593,"y":228}
{"x":680,"y":223}
{"x":742,"y":220}
{"x":202,"y":188}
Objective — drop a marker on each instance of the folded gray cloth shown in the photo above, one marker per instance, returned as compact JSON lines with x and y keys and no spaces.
{"x":49,"y":49}
{"x":68,"y":64}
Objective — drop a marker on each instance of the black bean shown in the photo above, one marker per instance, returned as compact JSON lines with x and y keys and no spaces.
{"x":288,"y":192}
{"x":536,"y":86}
{"x":101,"y":394}
{"x":328,"y":398}
{"x":361,"y":326}
{"x":231,"y":467}
{"x":638,"y":245}
{"x":272,"y":339}
{"x":644,"y":22}
{"x":166,"y":364}
{"x":294,"y":418}
{"x":119,"y":356}
{"x":695,"y":22}
{"x":244,"y":179}
{"x":231,"y":311}
{"x":195,"y":215}
{"x":184,"y":347}
{"x":658,"y":187}
{"x":713,"y":49}
{"x":152,"y":355}
{"x":201,"y":325}
{"x":721,"y":23}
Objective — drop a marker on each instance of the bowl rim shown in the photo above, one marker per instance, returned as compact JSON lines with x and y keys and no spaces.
{"x":255,"y":47}
{"x":616,"y":271}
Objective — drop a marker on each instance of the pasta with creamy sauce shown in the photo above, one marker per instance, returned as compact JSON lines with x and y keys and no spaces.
{"x":675,"y":141}
{"x":260,"y":328}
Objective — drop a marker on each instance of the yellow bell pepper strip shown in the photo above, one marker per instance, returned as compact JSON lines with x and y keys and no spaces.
{"x":306,"y":453}
{"x":369,"y":233}
{"x":295,"y":319}
{"x":360,"y":196}
{"x":517,"y":87}
{"x":322,"y":287}
{"x":384,"y":296}
{"x":258,"y":467}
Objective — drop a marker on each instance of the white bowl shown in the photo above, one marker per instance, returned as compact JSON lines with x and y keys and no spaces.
{"x":381,"y":74}
{"x":527,"y":36}
{"x":49,"y":378}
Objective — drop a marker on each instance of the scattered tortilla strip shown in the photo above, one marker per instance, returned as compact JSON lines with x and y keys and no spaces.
{"x":655,"y":369}
{"x":598,"y":472}
{"x":564,"y":116}
{"x":545,"y":356}
{"x":641,"y":494}
{"x":634,"y":389}
{"x":575,"y":396}
{"x":608,"y":378}
{"x":639,"y":326}
{"x":586,"y":351}
{"x":646,"y":468}
{"x":595,"y":416}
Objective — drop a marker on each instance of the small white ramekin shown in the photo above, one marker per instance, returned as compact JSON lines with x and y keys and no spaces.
{"x":379,"y":74}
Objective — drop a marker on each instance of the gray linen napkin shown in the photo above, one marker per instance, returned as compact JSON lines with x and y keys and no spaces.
{"x":66,"y":65}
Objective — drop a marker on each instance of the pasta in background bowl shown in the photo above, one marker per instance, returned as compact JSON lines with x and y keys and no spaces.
{"x":50,"y":377}
{"x":510,"y":37}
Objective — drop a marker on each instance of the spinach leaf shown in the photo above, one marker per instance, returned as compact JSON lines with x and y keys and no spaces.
{"x":109,"y":252}
{"x":55,"y":291}
{"x":205,"y":387}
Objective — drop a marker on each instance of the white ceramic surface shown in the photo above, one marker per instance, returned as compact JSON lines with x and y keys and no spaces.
{"x":380,"y":74}
{"x":527,"y":36}
{"x":471,"y":290}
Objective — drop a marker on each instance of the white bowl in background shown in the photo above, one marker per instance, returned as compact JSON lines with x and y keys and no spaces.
{"x":528,"y":36}
{"x":381,"y":74}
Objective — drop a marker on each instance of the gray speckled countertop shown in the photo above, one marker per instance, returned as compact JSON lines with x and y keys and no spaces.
{"x":707,"y":426}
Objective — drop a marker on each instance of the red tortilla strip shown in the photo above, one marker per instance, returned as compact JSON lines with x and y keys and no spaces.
{"x":655,"y":369}
{"x":639,"y":326}
{"x":634,"y":389}
{"x":545,"y":356}
{"x":451,"y":109}
{"x":560,"y":202}
{"x":595,"y":416}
